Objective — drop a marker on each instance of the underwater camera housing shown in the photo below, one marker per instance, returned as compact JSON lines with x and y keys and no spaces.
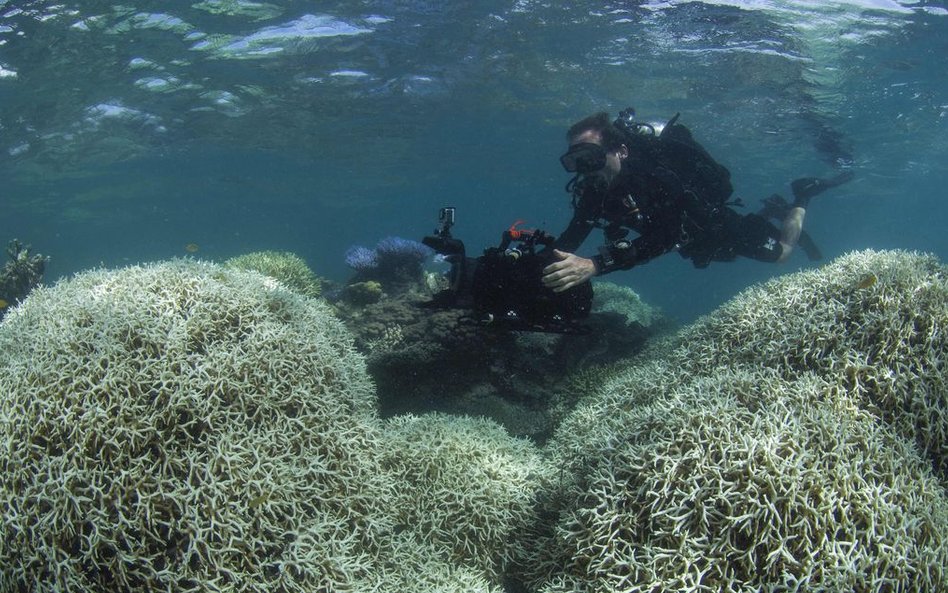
{"x":503,"y":287}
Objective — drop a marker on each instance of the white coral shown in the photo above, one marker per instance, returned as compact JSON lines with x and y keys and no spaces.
{"x":465,"y":484}
{"x":174,"y":425}
{"x":187,"y":427}
{"x":871,"y":321}
{"x":785,"y":442}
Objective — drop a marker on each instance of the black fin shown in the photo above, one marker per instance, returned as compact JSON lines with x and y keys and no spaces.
{"x":808,"y":187}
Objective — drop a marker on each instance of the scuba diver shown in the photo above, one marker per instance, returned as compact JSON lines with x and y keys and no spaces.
{"x":629,"y":176}
{"x":658,"y":181}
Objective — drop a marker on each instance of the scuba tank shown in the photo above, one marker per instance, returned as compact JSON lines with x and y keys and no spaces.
{"x":671,"y":146}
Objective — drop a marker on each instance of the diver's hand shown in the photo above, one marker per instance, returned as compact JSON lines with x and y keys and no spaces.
{"x":571,"y":270}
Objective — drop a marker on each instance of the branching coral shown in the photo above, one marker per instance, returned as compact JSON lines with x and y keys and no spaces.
{"x":613,"y":298}
{"x":185,"y":426}
{"x":402,"y":257}
{"x":467,"y":486}
{"x":20,"y":275}
{"x":395,"y":262}
{"x":182,"y":427}
{"x":736,"y":481}
{"x":288,"y":268}
{"x":361,"y":259}
{"x":188,"y":427}
{"x":770,"y":447}
{"x":871,"y":322}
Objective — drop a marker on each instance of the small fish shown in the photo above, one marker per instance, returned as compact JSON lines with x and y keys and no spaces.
{"x":192,"y":248}
{"x":4,"y":304}
{"x":867,"y":281}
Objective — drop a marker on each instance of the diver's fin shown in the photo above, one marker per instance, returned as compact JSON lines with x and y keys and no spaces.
{"x":808,"y":187}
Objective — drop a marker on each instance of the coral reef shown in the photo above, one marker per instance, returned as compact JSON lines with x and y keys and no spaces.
{"x":363,"y":293}
{"x":396,"y":263}
{"x":870,"y":322}
{"x":184,"y":426}
{"x":180,"y":425}
{"x":751,"y":452}
{"x":402,"y":256}
{"x":737,"y":481}
{"x":427,"y":359}
{"x":288,"y":268}
{"x":468,"y":465}
{"x":613,"y":298}
{"x":20,"y":275}
{"x":361,"y":259}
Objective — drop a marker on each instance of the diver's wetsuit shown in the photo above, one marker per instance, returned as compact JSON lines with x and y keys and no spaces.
{"x":667,"y":216}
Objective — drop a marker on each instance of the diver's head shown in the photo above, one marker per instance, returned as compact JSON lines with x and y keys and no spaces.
{"x":596,"y":148}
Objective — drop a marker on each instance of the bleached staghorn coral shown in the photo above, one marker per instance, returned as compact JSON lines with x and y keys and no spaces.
{"x":735,"y":480}
{"x":464,"y":484}
{"x":755,"y":441}
{"x":871,"y":322}
{"x":613,"y":298}
{"x":410,"y":562}
{"x":288,"y":268}
{"x":186,"y":427}
{"x":183,"y":427}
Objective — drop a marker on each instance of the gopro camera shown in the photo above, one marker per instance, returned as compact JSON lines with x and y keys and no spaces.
{"x":446,"y":218}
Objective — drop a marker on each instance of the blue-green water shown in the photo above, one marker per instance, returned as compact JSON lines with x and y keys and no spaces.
{"x":130,"y":130}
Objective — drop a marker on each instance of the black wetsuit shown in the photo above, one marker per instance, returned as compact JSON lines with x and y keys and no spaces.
{"x":668,"y":214}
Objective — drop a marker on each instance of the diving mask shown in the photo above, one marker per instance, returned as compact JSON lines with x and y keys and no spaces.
{"x":584,"y":158}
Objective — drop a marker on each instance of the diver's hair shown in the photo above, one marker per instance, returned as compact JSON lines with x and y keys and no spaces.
{"x":600,"y":122}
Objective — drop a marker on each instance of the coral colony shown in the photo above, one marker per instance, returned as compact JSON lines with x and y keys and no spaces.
{"x":361,"y":259}
{"x":398,"y":251}
{"x":288,"y":268}
{"x":394,"y":260}
{"x":188,"y":427}
{"x":20,"y":274}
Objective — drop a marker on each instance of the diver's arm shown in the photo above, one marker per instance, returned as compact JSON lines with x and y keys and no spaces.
{"x":570,"y":270}
{"x":577,"y":231}
{"x":622,"y":255}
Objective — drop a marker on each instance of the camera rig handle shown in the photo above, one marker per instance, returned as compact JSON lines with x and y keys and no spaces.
{"x":528,"y":239}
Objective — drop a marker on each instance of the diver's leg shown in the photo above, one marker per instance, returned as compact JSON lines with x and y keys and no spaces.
{"x":804,"y":189}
